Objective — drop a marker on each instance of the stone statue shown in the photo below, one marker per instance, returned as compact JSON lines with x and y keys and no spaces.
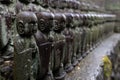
{"x":7,"y":14}
{"x":26,"y":57}
{"x":58,"y":49}
{"x":80,"y":35}
{"x":8,"y":11}
{"x":91,"y":25}
{"x":69,"y":41}
{"x":84,"y":36}
{"x":24,"y":5}
{"x":76,"y":38}
{"x":88,"y":30}
{"x":44,"y":42}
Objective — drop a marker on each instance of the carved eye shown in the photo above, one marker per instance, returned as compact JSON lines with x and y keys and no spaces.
{"x":20,"y":28}
{"x":42,"y":24}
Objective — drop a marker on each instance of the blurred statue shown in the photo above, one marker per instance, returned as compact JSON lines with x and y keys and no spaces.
{"x":69,"y":41}
{"x":58,"y":49}
{"x":76,"y":38}
{"x":44,"y":42}
{"x":26,"y":55}
{"x":81,"y":36}
{"x":7,"y":13}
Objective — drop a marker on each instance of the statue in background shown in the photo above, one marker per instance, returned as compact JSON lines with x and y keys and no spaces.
{"x":69,"y":41}
{"x":44,"y":42}
{"x":58,"y":49}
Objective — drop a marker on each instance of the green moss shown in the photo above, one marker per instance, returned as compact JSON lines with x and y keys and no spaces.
{"x":107,"y":67}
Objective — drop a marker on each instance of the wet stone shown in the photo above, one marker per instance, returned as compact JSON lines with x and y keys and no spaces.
{"x":90,"y":67}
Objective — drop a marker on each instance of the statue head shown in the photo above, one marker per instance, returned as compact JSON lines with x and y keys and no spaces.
{"x":81,"y":18}
{"x":63,"y":4}
{"x":73,"y":4}
{"x":26,"y":23}
{"x":59,"y":22}
{"x":45,"y":21}
{"x":54,"y":3}
{"x":84,"y":18}
{"x":69,"y":19}
{"x":76,"y":20}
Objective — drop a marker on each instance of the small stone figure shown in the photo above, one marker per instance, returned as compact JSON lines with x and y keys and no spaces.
{"x":88,"y":26}
{"x":7,"y":16}
{"x":84,"y":37}
{"x":79,"y":35}
{"x":76,"y":42}
{"x":44,"y":42}
{"x":24,"y":5}
{"x":69,"y":41}
{"x":26,"y":55}
{"x":58,"y":49}
{"x":7,"y":13}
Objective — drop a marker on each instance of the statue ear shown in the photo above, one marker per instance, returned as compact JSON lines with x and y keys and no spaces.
{"x":20,"y":28}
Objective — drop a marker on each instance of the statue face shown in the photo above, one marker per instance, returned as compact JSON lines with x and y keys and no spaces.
{"x":56,"y":25}
{"x":59,"y":22}
{"x":45,"y":21}
{"x":69,"y":18}
{"x":45,"y":25}
{"x":75,"y":20}
{"x":26,"y":23}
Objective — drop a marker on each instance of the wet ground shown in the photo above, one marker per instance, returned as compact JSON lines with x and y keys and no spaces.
{"x":89,"y":67}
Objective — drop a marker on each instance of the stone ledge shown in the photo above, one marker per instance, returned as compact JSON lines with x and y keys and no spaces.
{"x":89,"y":68}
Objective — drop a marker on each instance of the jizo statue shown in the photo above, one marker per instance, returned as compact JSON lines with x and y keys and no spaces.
{"x":92,"y":32}
{"x":58,"y":49}
{"x":76,"y":38}
{"x":26,"y":57}
{"x":88,"y":26}
{"x":7,"y":13}
{"x":44,"y":43}
{"x":91,"y":25}
{"x":79,"y":32}
{"x":6,"y":52}
{"x":69,"y":41}
{"x":83,"y":35}
{"x":24,"y":5}
{"x":87,"y":35}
